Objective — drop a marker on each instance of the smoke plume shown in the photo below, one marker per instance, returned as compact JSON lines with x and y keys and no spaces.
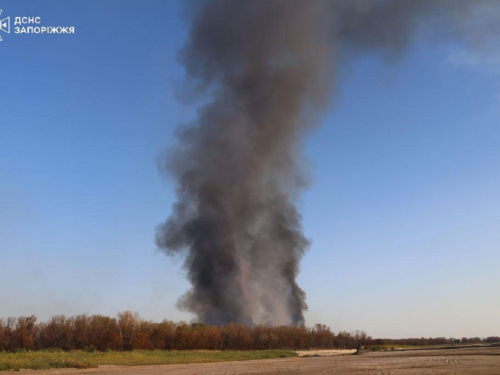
{"x":268,"y":68}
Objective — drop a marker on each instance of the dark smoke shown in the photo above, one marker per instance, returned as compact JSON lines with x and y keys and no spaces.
{"x":268,"y":68}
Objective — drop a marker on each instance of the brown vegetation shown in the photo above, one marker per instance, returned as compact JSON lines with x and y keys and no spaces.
{"x":129,"y":332}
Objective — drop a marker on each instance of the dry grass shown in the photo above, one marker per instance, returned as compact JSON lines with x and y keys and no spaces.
{"x":46,"y":359}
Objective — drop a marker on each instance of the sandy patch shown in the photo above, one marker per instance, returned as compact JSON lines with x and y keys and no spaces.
{"x":324,"y":353}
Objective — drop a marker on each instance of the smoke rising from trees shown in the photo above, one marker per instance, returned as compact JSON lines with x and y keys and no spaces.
{"x":268,"y":69}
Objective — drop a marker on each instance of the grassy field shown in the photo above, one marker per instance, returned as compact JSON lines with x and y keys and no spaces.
{"x":46,"y":359}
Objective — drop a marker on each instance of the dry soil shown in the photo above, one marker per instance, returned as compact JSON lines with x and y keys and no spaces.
{"x":484,"y":361}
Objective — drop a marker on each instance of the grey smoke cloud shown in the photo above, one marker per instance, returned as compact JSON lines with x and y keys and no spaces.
{"x":268,"y":68}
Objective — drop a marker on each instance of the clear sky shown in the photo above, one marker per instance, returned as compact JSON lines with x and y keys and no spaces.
{"x":403,"y":209}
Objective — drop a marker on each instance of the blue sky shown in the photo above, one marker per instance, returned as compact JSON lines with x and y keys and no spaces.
{"x":403,"y":208}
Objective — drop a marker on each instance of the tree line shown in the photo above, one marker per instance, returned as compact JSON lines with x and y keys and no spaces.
{"x":128,"y":331}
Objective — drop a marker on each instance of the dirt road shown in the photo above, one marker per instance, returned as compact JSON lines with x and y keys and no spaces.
{"x":484,"y":361}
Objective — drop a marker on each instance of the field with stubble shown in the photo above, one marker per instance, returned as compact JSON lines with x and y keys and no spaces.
{"x":481,"y":360}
